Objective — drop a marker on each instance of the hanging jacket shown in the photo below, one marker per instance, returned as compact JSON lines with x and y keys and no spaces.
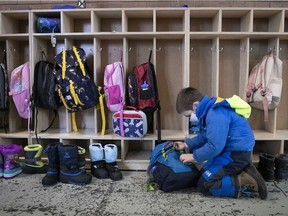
{"x":223,"y":128}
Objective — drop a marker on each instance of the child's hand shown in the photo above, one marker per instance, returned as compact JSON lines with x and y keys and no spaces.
{"x":179,"y":145}
{"x":186,"y":158}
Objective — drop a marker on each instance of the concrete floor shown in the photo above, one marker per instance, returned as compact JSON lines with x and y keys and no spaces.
{"x":24,"y":195}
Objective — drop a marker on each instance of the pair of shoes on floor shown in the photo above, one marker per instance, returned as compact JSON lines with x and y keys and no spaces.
{"x":65,"y":164}
{"x":273,"y":167}
{"x":104,"y":161}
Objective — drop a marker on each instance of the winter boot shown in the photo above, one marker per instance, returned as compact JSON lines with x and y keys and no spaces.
{"x":111,"y":153}
{"x":11,"y":157}
{"x":251,"y":181}
{"x":52,"y":176}
{"x":1,"y":162}
{"x":98,"y":164}
{"x":33,"y":163}
{"x":69,"y":166}
{"x":281,"y":167}
{"x":266,"y":166}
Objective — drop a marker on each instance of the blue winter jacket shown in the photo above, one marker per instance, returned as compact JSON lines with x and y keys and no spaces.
{"x":223,"y":128}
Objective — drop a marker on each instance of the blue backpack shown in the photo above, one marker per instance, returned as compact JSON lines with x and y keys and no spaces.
{"x":168,"y":172}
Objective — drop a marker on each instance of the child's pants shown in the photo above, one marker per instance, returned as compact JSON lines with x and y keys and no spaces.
{"x":219,"y":176}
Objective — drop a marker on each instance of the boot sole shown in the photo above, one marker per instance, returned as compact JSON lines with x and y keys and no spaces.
{"x":11,"y":175}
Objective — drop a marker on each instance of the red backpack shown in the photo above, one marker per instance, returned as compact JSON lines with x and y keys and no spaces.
{"x":143,"y":91}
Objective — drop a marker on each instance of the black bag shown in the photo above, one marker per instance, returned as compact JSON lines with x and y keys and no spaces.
{"x":168,"y":172}
{"x":143,"y":92}
{"x":4,"y":97}
{"x":44,"y":93}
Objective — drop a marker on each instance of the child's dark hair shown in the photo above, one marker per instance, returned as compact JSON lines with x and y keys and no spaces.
{"x":186,"y":97}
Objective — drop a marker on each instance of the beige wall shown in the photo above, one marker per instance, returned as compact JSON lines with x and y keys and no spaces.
{"x":46,"y":4}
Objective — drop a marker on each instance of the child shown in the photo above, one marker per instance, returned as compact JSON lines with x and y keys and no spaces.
{"x":225,"y":142}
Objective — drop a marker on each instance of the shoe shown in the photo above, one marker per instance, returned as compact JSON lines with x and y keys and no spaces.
{"x":251,"y":181}
{"x":52,"y":175}
{"x":111,"y":153}
{"x":113,"y":171}
{"x":266,"y":166}
{"x":33,"y":163}
{"x":11,"y":157}
{"x":1,"y":162}
{"x":70,"y":171}
{"x":98,"y":164}
{"x":281,"y":167}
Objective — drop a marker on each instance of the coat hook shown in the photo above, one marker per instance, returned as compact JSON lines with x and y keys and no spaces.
{"x":221,"y":49}
{"x":129,"y":49}
{"x":99,"y":49}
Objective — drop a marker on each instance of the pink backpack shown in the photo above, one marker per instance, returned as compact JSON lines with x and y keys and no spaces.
{"x":20,"y":89}
{"x":114,"y":86}
{"x":263,"y":90}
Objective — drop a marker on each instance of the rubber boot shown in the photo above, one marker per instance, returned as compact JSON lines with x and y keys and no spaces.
{"x":266,"y":166}
{"x":69,"y":166}
{"x":111,"y":153}
{"x":1,"y":162}
{"x":52,"y":175}
{"x":281,"y":167}
{"x":33,"y":163}
{"x":251,"y":181}
{"x":98,"y":164}
{"x":11,"y":157}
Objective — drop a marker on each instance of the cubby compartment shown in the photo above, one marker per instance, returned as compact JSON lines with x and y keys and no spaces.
{"x":286,"y":21}
{"x":286,"y":147}
{"x":107,"y":21}
{"x":201,"y":67}
{"x":272,"y":147}
{"x":36,"y":15}
{"x":76,"y":21}
{"x":282,"y":123}
{"x":236,"y":20}
{"x":229,"y":68}
{"x":204,"y":20}
{"x":170,"y":21}
{"x":170,"y":79}
{"x":267,"y":20}
{"x":136,"y":153}
{"x":15,"y":22}
{"x":139,"y":20}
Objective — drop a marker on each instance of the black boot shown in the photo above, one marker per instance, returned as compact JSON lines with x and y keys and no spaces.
{"x":266,"y":166}
{"x":52,"y":176}
{"x":281,"y":167}
{"x":69,"y":166}
{"x":113,"y":171}
{"x":251,"y":181}
{"x":33,"y":163}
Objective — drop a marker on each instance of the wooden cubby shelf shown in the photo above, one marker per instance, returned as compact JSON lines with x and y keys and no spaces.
{"x":212,"y":49}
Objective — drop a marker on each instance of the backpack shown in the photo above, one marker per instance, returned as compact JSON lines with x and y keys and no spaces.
{"x":4,"y":97}
{"x":263,"y":90}
{"x":168,"y":172}
{"x":143,"y":91}
{"x":44,"y":92}
{"x":20,"y":90}
{"x":114,"y":86}
{"x":76,"y":89}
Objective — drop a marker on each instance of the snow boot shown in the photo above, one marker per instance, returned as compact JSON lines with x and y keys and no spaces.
{"x":1,"y":162}
{"x":111,"y":153}
{"x":70,"y":171}
{"x":98,"y":164}
{"x":33,"y":163}
{"x":266,"y":166}
{"x":251,"y":181}
{"x":52,"y":175}
{"x":281,"y":167}
{"x":11,"y":157}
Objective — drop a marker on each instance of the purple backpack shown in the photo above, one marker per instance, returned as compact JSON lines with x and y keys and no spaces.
{"x":19,"y":89}
{"x":114,"y":86}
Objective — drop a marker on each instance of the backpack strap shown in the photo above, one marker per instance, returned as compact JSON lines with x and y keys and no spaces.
{"x":101,"y":104}
{"x":150,"y":55}
{"x":121,"y":122}
{"x":81,"y":65}
{"x":73,"y":119}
